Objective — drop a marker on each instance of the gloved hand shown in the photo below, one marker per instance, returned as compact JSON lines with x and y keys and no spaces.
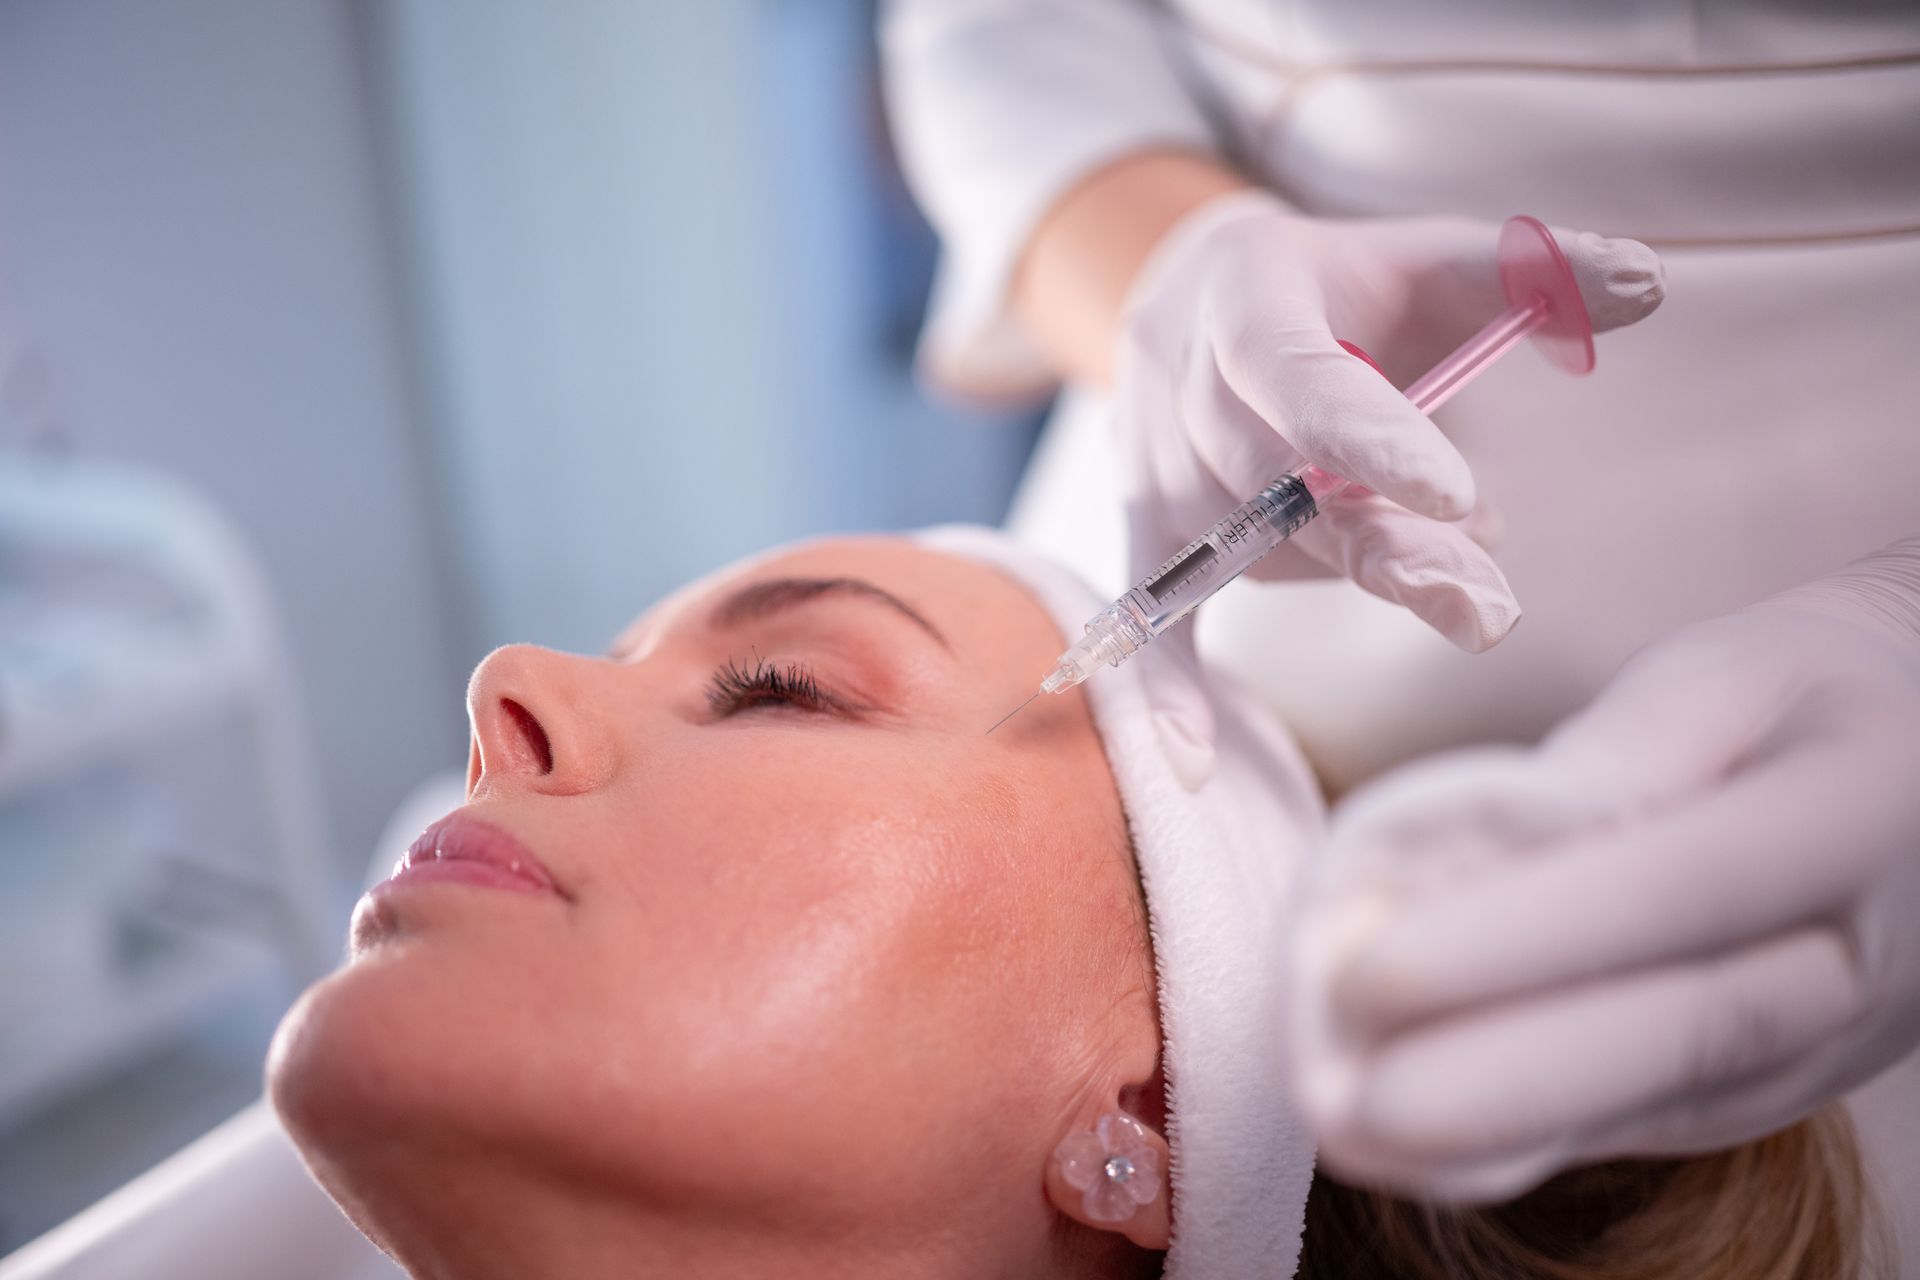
{"x":1686,"y":920}
{"x":1228,"y":374}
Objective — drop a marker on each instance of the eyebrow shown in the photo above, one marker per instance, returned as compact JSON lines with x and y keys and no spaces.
{"x":777,"y":595}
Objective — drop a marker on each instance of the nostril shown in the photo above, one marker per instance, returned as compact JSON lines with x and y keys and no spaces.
{"x":531,"y":734}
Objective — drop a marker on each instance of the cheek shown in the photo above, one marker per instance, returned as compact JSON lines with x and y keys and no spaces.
{"x":767,"y":905}
{"x":810,"y":954}
{"x":788,"y":958}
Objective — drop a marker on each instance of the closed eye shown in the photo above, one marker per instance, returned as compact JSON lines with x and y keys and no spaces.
{"x":735,"y":688}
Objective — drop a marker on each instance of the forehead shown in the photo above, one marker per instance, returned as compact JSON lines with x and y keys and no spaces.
{"x":989,"y":620}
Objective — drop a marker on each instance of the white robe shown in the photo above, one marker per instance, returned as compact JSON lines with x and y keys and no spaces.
{"x":1761,"y":429}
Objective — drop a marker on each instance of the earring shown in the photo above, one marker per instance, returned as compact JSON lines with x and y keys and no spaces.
{"x":1114,"y":1164}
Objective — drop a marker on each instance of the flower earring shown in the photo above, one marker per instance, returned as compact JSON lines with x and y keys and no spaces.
{"x":1114,"y":1164}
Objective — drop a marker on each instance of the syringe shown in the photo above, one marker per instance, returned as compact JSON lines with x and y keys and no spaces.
{"x":1543,"y":301}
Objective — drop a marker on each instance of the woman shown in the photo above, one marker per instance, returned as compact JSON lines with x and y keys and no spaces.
{"x":1177,"y":206}
{"x":750,"y":954}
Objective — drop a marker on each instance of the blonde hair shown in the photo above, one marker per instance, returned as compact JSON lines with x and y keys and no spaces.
{"x":1790,"y":1206}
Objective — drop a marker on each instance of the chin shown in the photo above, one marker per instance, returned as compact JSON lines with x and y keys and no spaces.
{"x":322,"y":1076}
{"x":329,"y":1093}
{"x":412,"y":1046}
{"x":379,"y":1045}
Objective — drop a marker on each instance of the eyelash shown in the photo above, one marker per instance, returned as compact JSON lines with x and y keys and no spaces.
{"x":737,"y":688}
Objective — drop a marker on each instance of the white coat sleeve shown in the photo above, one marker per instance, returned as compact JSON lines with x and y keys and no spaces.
{"x":998,"y":107}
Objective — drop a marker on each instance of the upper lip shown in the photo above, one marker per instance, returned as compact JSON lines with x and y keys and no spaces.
{"x":460,"y":835}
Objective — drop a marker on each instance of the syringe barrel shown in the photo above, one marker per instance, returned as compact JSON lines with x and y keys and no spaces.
{"x":1199,"y":569}
{"x":1221,"y":554}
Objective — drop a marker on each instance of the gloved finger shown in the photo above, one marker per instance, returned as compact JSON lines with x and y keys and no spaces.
{"x":1423,"y":829}
{"x":1433,"y":569}
{"x":1679,"y":719}
{"x":1719,"y":1121}
{"x":1679,"y":716}
{"x":1732,"y":1113}
{"x":1581,"y":1062}
{"x":1320,"y":403}
{"x":1441,"y":821}
{"x":1674,"y":884}
{"x":1170,"y":666}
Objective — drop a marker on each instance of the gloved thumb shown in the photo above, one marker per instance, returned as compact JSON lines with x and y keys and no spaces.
{"x":1620,"y":280}
{"x":1457,"y":262}
{"x":1170,"y":666}
{"x":1176,"y":697}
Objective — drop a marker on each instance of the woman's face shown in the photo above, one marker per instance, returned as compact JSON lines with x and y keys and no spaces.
{"x":820,"y":957}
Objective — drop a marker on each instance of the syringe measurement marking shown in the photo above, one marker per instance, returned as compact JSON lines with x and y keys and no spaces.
{"x":1192,"y":568}
{"x":1193,"y":562}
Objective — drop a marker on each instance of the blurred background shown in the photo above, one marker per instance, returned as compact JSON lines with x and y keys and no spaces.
{"x":341,"y":341}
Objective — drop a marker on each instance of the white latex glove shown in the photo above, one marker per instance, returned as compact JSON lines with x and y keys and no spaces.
{"x":1688,"y":919}
{"x":1228,"y":374}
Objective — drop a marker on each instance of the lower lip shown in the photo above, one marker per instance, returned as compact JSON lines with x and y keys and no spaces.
{"x":461,"y":871}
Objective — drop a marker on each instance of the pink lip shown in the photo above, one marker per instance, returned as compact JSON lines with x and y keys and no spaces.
{"x":465,"y":850}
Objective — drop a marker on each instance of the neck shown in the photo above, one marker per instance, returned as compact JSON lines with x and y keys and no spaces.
{"x":475,"y":1224}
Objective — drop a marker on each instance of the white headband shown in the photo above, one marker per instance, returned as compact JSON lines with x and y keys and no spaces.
{"x":1219,"y":863}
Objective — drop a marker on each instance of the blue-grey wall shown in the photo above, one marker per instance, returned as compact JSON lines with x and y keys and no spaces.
{"x":191,"y":227}
{"x":660,"y":266}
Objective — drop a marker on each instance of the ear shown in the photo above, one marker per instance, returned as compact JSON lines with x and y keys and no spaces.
{"x":1110,"y":1173}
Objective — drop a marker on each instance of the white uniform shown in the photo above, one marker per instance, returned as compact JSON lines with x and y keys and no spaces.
{"x":1761,"y":429}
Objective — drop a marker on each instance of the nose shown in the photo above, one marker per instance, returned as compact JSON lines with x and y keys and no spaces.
{"x":539,"y":722}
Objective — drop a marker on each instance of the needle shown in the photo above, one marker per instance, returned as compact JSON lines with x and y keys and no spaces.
{"x":1011,"y":714}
